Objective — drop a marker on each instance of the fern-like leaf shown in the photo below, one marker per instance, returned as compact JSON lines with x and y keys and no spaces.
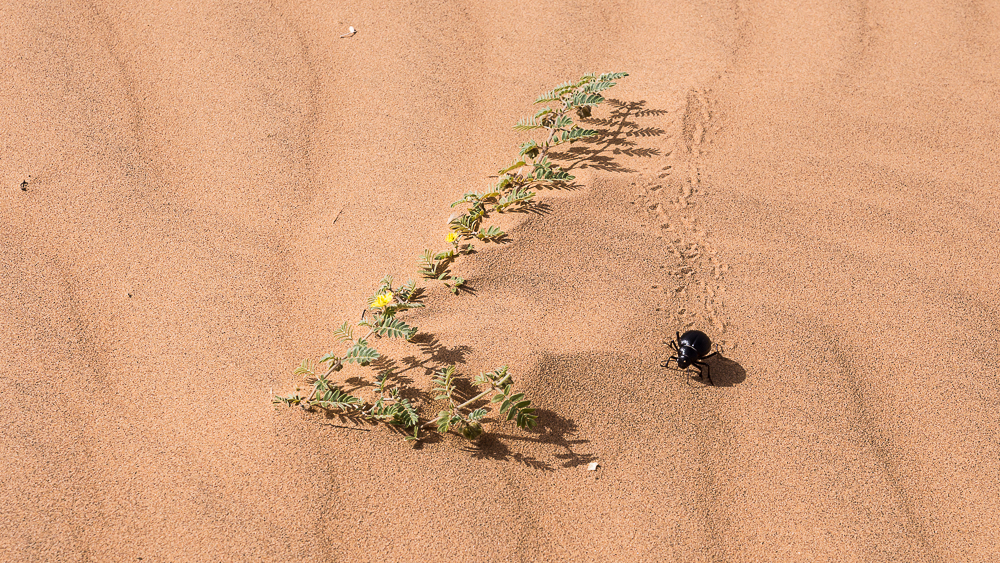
{"x":545,"y":170}
{"x":584,"y":99}
{"x":517,"y":164}
{"x":446,"y":419}
{"x":509,"y":401}
{"x":395,"y":328}
{"x":344,"y":333}
{"x":530,"y":149}
{"x":306,"y":368}
{"x":384,"y":285}
{"x":493,"y":377}
{"x":331,"y":358}
{"x":406,"y":416}
{"x":406,"y":292}
{"x":609,"y":76}
{"x":404,"y":305}
{"x":466,"y":224}
{"x":595,"y":87}
{"x":428,"y":266}
{"x":444,"y":383}
{"x":382,"y":411}
{"x":526,"y":418}
{"x":515,"y":406}
{"x":331,"y":397}
{"x":563,"y":122}
{"x":361,"y":353}
{"x":517,"y":196}
{"x":490,"y":233}
{"x":575,"y":135}
{"x":290,"y":400}
{"x":446,"y":254}
{"x":527,"y":124}
{"x":556,"y":93}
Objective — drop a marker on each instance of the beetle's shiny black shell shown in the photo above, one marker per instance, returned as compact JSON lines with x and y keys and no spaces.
{"x":694,"y":341}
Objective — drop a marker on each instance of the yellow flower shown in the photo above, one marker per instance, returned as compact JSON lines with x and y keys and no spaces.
{"x":452,"y":236}
{"x":382,"y":300}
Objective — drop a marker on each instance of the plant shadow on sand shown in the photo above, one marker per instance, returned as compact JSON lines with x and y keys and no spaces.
{"x":616,"y":134}
{"x":535,"y":208}
{"x":551,"y":429}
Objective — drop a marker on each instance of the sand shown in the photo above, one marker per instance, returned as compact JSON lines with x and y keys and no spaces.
{"x":194,"y":194}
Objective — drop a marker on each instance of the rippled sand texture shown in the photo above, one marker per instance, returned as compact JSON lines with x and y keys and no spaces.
{"x":195,"y":193}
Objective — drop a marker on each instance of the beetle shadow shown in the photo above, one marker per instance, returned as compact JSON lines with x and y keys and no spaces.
{"x":725,"y":372}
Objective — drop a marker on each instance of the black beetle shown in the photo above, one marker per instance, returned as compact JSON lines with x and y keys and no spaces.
{"x":692,"y":346}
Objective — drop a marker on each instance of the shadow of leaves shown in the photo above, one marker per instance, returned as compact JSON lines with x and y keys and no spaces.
{"x":552,"y":429}
{"x":491,"y":447}
{"x":436,"y":355}
{"x":613,"y":133}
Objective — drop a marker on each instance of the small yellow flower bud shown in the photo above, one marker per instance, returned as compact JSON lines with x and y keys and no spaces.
{"x":452,"y":236}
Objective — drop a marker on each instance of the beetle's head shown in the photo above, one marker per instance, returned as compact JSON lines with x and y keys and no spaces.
{"x":685,"y":356}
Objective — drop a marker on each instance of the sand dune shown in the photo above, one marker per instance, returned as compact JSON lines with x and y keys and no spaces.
{"x":196,"y":193}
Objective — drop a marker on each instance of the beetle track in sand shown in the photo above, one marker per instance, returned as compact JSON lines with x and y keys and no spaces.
{"x":694,"y":290}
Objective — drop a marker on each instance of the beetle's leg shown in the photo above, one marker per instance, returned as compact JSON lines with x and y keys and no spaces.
{"x":708,"y":372}
{"x":710,"y":355}
{"x":674,"y":346}
{"x":667,"y":363}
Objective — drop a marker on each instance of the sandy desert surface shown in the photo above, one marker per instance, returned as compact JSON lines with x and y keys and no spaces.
{"x":195,"y":193}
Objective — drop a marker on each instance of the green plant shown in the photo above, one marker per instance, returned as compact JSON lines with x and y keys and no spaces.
{"x":388,"y":406}
{"x":515,"y":188}
{"x":435,"y":266}
{"x":467,"y":420}
{"x":381,"y":321}
{"x":516,"y":184}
